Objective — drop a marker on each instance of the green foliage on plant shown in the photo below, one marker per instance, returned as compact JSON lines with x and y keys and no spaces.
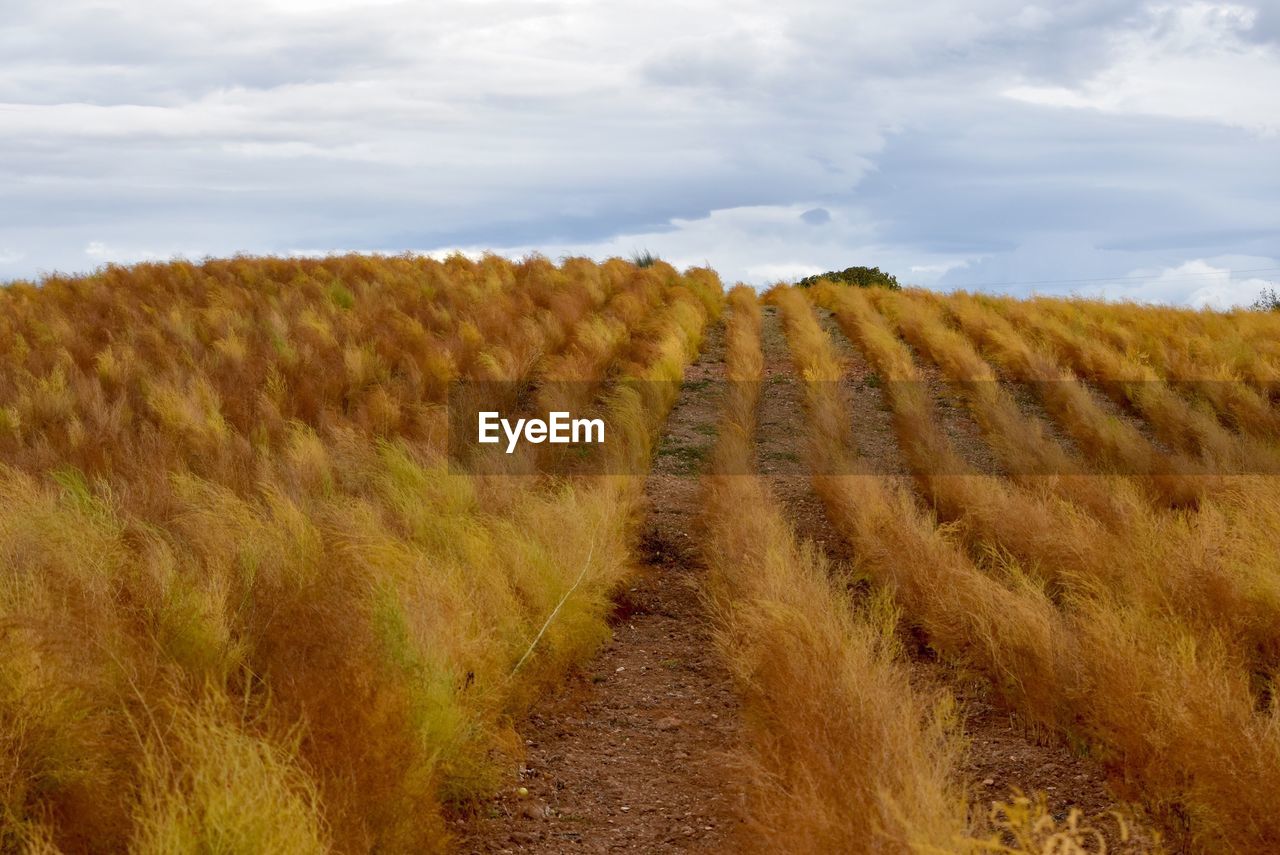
{"x":1268,"y":301}
{"x":341,"y":296}
{"x":861,"y":277}
{"x":644,"y":259}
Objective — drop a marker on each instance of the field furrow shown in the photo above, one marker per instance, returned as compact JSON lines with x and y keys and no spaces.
{"x":1043,"y":658}
{"x":1113,"y":440}
{"x":1132,"y":383}
{"x":843,"y":754}
{"x":633,"y":751}
{"x":1002,"y":754}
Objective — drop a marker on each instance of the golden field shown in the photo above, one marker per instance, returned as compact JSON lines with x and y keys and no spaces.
{"x":248,"y":606}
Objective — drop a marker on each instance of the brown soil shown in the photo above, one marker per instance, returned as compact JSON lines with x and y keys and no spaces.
{"x":634,"y":753}
{"x":951,"y":410}
{"x":1029,"y":404}
{"x":779,"y":444}
{"x":870,"y":416}
{"x":1112,"y":402}
{"x":1005,"y":754}
{"x":1032,"y":409}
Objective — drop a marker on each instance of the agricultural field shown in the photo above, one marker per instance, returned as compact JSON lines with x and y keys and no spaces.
{"x":855,"y":569}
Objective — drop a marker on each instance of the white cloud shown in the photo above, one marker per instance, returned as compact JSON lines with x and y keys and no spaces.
{"x":704,"y":131}
{"x":1227,"y":293}
{"x":742,"y":244}
{"x":786,"y":272}
{"x":304,"y":7}
{"x":759,"y":245}
{"x":1198,"y":283}
{"x":1202,"y":285}
{"x":103,"y":253}
{"x":939,"y":268}
{"x":1187,"y":61}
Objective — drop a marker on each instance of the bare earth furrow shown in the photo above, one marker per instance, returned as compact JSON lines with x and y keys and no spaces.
{"x":633,"y":753}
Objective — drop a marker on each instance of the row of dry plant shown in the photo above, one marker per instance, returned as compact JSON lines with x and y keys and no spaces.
{"x":245,"y":605}
{"x":844,"y":753}
{"x":1141,"y":630}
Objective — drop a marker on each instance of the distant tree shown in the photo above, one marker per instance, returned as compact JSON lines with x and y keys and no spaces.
{"x":1268,"y":301}
{"x":860,"y":277}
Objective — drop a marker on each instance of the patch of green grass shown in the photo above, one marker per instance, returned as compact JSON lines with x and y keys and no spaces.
{"x":689,"y":457}
{"x":644,"y":258}
{"x":341,"y":297}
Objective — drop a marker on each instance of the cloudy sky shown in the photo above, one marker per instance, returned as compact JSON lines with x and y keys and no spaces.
{"x":1092,"y":146}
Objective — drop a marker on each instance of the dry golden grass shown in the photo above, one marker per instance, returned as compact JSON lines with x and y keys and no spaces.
{"x":1194,"y":565}
{"x":845,"y":755}
{"x":245,"y":604}
{"x":1114,"y":444}
{"x":1190,"y":346}
{"x":1176,"y":419}
{"x":1138,"y":654}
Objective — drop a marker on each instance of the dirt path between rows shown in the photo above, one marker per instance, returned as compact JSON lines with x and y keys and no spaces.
{"x":781,"y":458}
{"x":634,"y":752}
{"x":1004,"y":752}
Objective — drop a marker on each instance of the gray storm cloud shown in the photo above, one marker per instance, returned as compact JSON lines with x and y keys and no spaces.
{"x":955,"y":143}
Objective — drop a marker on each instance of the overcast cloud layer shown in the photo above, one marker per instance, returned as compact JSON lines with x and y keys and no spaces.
{"x":1130,"y":148}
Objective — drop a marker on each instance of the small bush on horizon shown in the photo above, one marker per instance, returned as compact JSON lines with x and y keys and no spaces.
{"x":644,"y":259}
{"x":861,"y":277}
{"x":1268,"y":301}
